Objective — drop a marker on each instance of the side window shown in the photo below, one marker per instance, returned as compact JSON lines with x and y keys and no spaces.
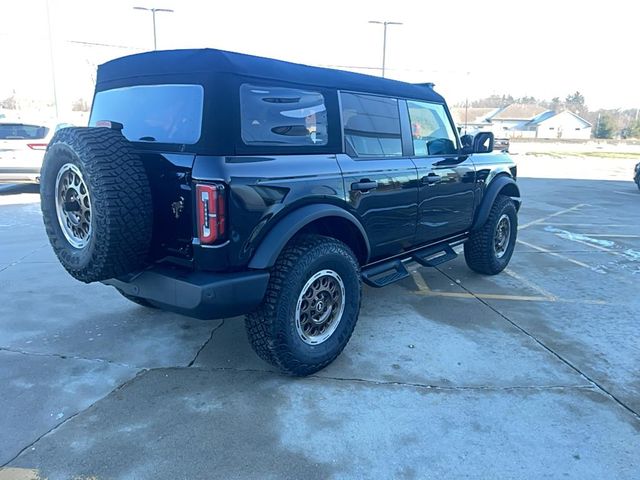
{"x":371,"y":126}
{"x":431,"y":129}
{"x":282,"y":116}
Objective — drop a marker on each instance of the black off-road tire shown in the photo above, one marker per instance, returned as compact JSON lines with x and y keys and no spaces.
{"x":479,"y":251}
{"x":271,"y":329}
{"x":120,"y":200}
{"x":137,"y":300}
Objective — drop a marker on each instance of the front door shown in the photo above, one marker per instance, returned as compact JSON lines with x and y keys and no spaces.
{"x":380,"y":180}
{"x":446,"y":178}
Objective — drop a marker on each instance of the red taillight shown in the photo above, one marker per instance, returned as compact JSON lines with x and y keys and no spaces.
{"x":211,"y":212}
{"x":37,"y":146}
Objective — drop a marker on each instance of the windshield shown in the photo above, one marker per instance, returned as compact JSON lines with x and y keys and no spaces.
{"x":153,"y":113}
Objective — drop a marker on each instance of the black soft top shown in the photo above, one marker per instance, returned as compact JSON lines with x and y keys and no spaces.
{"x":221,"y":73}
{"x":210,"y":62}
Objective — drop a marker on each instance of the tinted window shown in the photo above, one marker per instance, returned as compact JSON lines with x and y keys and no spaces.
{"x":282,"y":116}
{"x":20,"y":131}
{"x":153,"y":113}
{"x":431,"y":130}
{"x":371,"y":125}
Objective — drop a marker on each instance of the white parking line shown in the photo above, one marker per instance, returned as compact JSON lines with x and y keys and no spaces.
{"x":544,"y":219}
{"x":610,"y":235}
{"x":549,"y":252}
{"x":610,"y":225}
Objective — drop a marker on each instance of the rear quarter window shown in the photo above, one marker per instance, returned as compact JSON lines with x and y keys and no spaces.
{"x":153,"y":113}
{"x":282,"y":116}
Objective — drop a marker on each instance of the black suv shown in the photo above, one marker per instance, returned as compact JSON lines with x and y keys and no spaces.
{"x":216,"y":184}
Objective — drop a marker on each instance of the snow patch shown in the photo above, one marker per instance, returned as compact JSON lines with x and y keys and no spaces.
{"x":579,"y":237}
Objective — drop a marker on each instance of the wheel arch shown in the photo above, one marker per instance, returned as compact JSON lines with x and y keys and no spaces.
{"x":501,"y":185}
{"x":322,"y":219}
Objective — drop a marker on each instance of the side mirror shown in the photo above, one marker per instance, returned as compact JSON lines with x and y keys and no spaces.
{"x":483,"y":142}
{"x":467,"y":144}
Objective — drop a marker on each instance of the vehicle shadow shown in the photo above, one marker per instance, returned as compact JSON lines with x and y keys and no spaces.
{"x":17,"y":189}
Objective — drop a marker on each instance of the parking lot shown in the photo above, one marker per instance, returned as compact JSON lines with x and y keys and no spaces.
{"x":534,"y":373}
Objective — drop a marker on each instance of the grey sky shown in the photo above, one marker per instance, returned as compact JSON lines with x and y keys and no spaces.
{"x":468,"y":48}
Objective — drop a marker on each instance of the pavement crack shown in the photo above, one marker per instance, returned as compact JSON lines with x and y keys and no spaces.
{"x":213,"y":331}
{"x":586,"y":386}
{"x":22,"y":258}
{"x":65,"y":357}
{"x":71,"y":417}
{"x":546,"y":347}
{"x":458,"y":387}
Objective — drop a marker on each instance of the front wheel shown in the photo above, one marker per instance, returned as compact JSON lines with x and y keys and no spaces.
{"x":310,"y":308}
{"x":489,"y":249}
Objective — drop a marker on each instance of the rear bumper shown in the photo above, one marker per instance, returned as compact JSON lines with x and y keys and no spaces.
{"x":204,"y":295}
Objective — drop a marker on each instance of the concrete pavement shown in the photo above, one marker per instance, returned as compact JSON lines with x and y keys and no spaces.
{"x":529,"y":374}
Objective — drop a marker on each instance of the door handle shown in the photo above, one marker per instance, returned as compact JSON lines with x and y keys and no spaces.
{"x":430,"y":179}
{"x":364,"y":185}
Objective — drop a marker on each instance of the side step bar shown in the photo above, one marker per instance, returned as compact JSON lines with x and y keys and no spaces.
{"x":384,"y":274}
{"x":389,"y":272}
{"x":434,"y":256}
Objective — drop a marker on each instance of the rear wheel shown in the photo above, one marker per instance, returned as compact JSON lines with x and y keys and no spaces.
{"x":490,"y":248}
{"x":310,"y":308}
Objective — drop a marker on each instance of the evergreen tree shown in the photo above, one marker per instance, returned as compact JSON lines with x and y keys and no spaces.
{"x":604,"y":127}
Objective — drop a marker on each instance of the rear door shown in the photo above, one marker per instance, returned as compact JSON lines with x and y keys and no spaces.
{"x":380,"y":178}
{"x":446,"y":178}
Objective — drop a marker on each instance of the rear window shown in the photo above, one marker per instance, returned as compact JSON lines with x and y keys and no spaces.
{"x":20,"y":131}
{"x":282,"y":116}
{"x":153,"y":113}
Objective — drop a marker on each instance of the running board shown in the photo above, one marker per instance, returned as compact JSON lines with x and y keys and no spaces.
{"x":389,"y":272}
{"x":432,"y":257}
{"x":384,"y":274}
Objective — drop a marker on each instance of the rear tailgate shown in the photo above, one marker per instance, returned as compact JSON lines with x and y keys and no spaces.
{"x":170,"y":179}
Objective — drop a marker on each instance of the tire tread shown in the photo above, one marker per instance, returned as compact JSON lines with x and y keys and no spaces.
{"x":266,"y":340}
{"x":478,"y":250}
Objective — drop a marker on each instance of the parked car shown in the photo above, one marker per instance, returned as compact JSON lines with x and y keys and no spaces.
{"x":501,"y":144}
{"x":636,"y":177}
{"x":22,"y":148}
{"x":216,"y":184}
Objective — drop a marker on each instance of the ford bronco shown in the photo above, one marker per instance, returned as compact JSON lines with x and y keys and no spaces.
{"x":216,"y":184}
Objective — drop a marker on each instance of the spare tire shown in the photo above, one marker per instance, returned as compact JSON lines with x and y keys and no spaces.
{"x":96,"y":203}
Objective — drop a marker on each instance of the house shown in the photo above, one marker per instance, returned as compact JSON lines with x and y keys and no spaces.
{"x":523,"y":121}
{"x":473,"y":118}
{"x":512,"y":121}
{"x":563,"y":125}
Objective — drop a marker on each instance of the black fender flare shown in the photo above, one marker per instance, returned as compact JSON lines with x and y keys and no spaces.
{"x":272,"y":244}
{"x":494,"y":189}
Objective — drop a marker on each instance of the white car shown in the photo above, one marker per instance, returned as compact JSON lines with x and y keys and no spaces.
{"x":22,"y":148}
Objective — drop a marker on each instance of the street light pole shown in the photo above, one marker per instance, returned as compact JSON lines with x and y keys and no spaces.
{"x":384,"y":41}
{"x":153,"y":16}
{"x":53,"y":68}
